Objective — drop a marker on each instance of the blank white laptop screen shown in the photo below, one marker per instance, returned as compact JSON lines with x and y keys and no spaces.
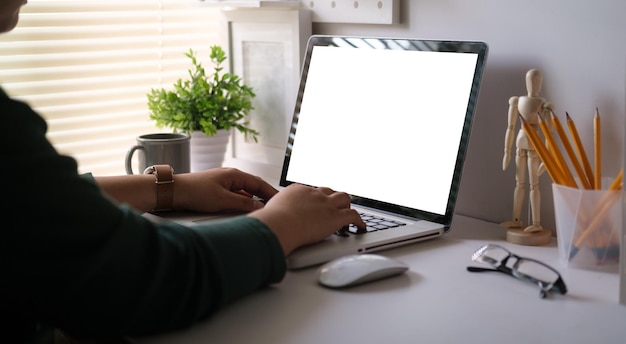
{"x":383,"y":124}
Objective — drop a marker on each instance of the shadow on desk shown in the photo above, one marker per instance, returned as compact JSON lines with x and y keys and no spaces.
{"x":404,"y":280}
{"x":464,"y":227}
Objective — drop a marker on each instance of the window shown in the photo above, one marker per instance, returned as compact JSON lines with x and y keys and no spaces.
{"x":86,"y":67}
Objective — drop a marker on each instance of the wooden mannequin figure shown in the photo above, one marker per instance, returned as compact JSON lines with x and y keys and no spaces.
{"x":526,"y":159}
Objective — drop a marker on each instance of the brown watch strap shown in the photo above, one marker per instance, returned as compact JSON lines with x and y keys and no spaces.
{"x":164,"y":186}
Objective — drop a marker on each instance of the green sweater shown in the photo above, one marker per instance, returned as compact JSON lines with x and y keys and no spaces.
{"x":72,"y":259}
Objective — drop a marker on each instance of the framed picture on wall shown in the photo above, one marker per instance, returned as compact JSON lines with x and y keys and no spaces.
{"x":266,"y":48}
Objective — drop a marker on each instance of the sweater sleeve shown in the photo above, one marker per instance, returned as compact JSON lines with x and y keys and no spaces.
{"x":166,"y":276}
{"x":71,"y":258}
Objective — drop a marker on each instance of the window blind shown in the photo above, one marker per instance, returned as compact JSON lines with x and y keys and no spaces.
{"x":86,"y":67}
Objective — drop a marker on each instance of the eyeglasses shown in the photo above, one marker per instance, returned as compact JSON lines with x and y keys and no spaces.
{"x":526,"y":269}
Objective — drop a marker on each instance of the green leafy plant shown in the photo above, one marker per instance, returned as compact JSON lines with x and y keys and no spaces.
{"x":204,"y":102}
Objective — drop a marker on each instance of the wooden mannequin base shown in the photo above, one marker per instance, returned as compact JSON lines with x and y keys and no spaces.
{"x":519,"y":237}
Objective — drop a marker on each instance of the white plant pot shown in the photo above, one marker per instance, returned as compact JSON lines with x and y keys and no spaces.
{"x":208,"y":152}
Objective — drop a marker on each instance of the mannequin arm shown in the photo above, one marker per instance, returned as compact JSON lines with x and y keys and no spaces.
{"x":509,"y":135}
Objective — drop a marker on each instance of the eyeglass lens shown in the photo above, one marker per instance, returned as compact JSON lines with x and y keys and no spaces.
{"x":536,"y":270}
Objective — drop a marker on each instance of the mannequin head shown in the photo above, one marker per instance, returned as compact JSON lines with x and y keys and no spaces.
{"x":533,"y":82}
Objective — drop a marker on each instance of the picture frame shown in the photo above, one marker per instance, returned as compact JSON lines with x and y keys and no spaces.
{"x":266,"y":47}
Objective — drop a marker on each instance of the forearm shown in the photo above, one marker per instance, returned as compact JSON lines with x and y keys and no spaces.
{"x":138,"y":191}
{"x":215,"y":190}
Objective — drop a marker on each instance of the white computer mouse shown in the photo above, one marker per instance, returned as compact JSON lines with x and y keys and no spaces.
{"x":356,"y":269}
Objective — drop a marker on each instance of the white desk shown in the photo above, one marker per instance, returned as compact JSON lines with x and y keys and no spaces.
{"x":438,"y":301}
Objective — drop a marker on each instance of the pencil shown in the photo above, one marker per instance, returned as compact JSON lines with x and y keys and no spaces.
{"x":566,"y":174}
{"x":570,"y":151}
{"x":604,"y":205}
{"x":542,"y":151}
{"x":581,"y":150}
{"x":597,"y":152}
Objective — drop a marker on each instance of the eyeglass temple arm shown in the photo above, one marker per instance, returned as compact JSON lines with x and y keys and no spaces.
{"x":558,"y":285}
{"x":502,"y":269}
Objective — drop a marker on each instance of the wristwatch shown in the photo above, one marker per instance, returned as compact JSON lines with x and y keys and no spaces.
{"x":164,"y":185}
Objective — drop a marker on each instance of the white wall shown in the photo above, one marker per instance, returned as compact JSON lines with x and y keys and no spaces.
{"x":580,"y":46}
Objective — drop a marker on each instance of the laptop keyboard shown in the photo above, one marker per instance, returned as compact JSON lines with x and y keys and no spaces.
{"x":373,"y":222}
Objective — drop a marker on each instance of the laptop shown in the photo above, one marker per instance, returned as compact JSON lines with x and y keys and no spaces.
{"x":386,"y":120}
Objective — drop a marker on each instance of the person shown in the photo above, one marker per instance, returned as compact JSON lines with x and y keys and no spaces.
{"x":530,"y":106}
{"x":78,"y":256}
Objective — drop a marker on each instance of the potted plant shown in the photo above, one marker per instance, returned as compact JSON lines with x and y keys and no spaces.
{"x":206,"y":107}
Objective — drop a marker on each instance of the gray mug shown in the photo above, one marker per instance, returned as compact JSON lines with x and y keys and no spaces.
{"x":162,"y":148}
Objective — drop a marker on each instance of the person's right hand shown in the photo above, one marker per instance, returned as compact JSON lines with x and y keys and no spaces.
{"x":301,"y":215}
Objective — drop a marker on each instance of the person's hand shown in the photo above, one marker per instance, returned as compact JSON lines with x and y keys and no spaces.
{"x":301,"y":215}
{"x":220,"y":189}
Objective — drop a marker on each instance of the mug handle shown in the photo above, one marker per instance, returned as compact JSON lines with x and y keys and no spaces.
{"x":129,"y":156}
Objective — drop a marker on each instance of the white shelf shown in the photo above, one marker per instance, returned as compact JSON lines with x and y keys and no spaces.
{"x":250,"y":4}
{"x":354,"y":12}
{"x":325,"y":11}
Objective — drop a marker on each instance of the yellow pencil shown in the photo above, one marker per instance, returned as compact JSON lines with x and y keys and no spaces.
{"x":570,"y":152}
{"x":581,"y":150}
{"x":542,"y":151}
{"x":597,"y":152}
{"x":566,"y":174}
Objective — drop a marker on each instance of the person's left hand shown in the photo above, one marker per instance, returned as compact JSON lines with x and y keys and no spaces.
{"x":220,"y":189}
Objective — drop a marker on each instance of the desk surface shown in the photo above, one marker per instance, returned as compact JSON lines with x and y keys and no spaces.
{"x":437,"y":301}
